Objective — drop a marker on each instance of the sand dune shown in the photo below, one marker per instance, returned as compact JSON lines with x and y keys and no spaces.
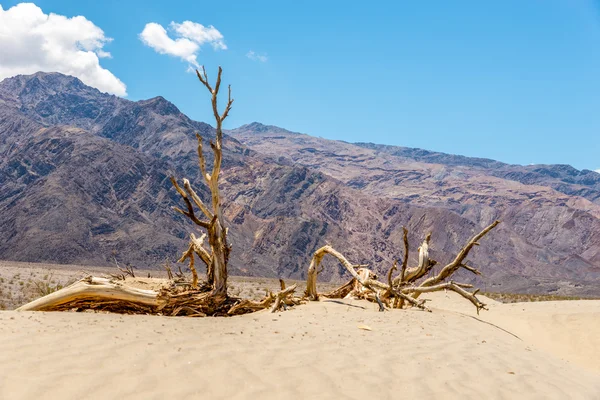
{"x":314,"y":351}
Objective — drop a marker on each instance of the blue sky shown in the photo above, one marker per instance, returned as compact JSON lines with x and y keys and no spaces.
{"x":516,"y":81}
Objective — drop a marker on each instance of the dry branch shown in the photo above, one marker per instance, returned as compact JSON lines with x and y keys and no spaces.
{"x":424,"y":266}
{"x":189,"y":254}
{"x":362,"y":278}
{"x":167,"y":267}
{"x":342,"y":291}
{"x":458,"y":288}
{"x":279,"y":297}
{"x":457,"y":263}
{"x":247,"y":306}
{"x":311,"y":280}
{"x":405,"y":259}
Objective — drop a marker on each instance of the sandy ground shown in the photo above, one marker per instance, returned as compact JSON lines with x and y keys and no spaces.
{"x":548,"y":350}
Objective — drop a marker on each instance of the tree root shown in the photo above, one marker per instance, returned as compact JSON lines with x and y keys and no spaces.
{"x":402,"y":289}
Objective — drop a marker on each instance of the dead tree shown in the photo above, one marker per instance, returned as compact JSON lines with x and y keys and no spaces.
{"x":217,"y":256}
{"x":403,"y":288}
{"x":198,"y":299}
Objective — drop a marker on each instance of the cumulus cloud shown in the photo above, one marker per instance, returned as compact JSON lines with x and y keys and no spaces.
{"x":597,"y":170}
{"x":257,"y":57}
{"x":31,"y":41}
{"x":189,"y":37}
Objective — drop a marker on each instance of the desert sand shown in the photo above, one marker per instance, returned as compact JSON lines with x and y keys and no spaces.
{"x":546,"y":350}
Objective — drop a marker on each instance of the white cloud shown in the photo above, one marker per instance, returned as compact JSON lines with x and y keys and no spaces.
{"x":189,"y":38}
{"x":200,"y":34}
{"x":597,"y":170}
{"x":31,"y":41}
{"x":257,"y":57}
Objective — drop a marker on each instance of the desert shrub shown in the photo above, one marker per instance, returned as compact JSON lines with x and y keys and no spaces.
{"x":526,"y":298}
{"x":47,"y":285}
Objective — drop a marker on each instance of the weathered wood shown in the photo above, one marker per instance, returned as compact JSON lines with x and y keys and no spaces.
{"x":455,"y":287}
{"x":363,"y":279}
{"x":279,"y":297}
{"x":197,"y":200}
{"x":405,"y":259}
{"x":457,"y":263}
{"x":424,"y":266}
{"x":189,"y":254}
{"x":246,"y":306}
{"x":94,"y":288}
{"x":401,"y":288}
{"x":342,"y":291}
{"x":311,"y":279}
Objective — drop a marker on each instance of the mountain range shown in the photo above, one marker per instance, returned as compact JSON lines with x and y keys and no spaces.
{"x":84,"y":178}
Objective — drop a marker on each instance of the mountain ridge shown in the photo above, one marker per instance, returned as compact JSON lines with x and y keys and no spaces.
{"x":281,"y":205}
{"x":564,"y":172}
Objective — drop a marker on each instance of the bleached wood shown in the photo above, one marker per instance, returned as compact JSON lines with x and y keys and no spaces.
{"x":196,"y":198}
{"x":455,"y":287}
{"x":457,"y":263}
{"x":424,"y":266}
{"x":94,"y":288}
{"x":280,"y":296}
{"x":189,"y":255}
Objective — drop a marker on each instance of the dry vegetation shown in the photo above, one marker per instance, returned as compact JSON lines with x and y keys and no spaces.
{"x":527,"y":298}
{"x":23,"y":282}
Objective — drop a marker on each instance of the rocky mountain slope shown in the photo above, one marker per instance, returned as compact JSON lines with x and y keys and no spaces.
{"x":84,"y":176}
{"x":557,"y":231}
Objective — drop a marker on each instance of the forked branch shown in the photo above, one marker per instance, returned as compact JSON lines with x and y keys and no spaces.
{"x":458,"y":261}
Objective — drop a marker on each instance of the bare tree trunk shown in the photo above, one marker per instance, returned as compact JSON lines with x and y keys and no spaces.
{"x":216,"y":257}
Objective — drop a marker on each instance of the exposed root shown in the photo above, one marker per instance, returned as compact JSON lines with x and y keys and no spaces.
{"x":402,"y":289}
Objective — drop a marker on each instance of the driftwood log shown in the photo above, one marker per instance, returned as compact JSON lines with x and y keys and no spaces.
{"x":94,"y":289}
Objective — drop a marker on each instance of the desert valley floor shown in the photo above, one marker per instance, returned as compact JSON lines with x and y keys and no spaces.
{"x":327,"y":349}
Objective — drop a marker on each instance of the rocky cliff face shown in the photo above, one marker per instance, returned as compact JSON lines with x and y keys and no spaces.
{"x":84,"y":175}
